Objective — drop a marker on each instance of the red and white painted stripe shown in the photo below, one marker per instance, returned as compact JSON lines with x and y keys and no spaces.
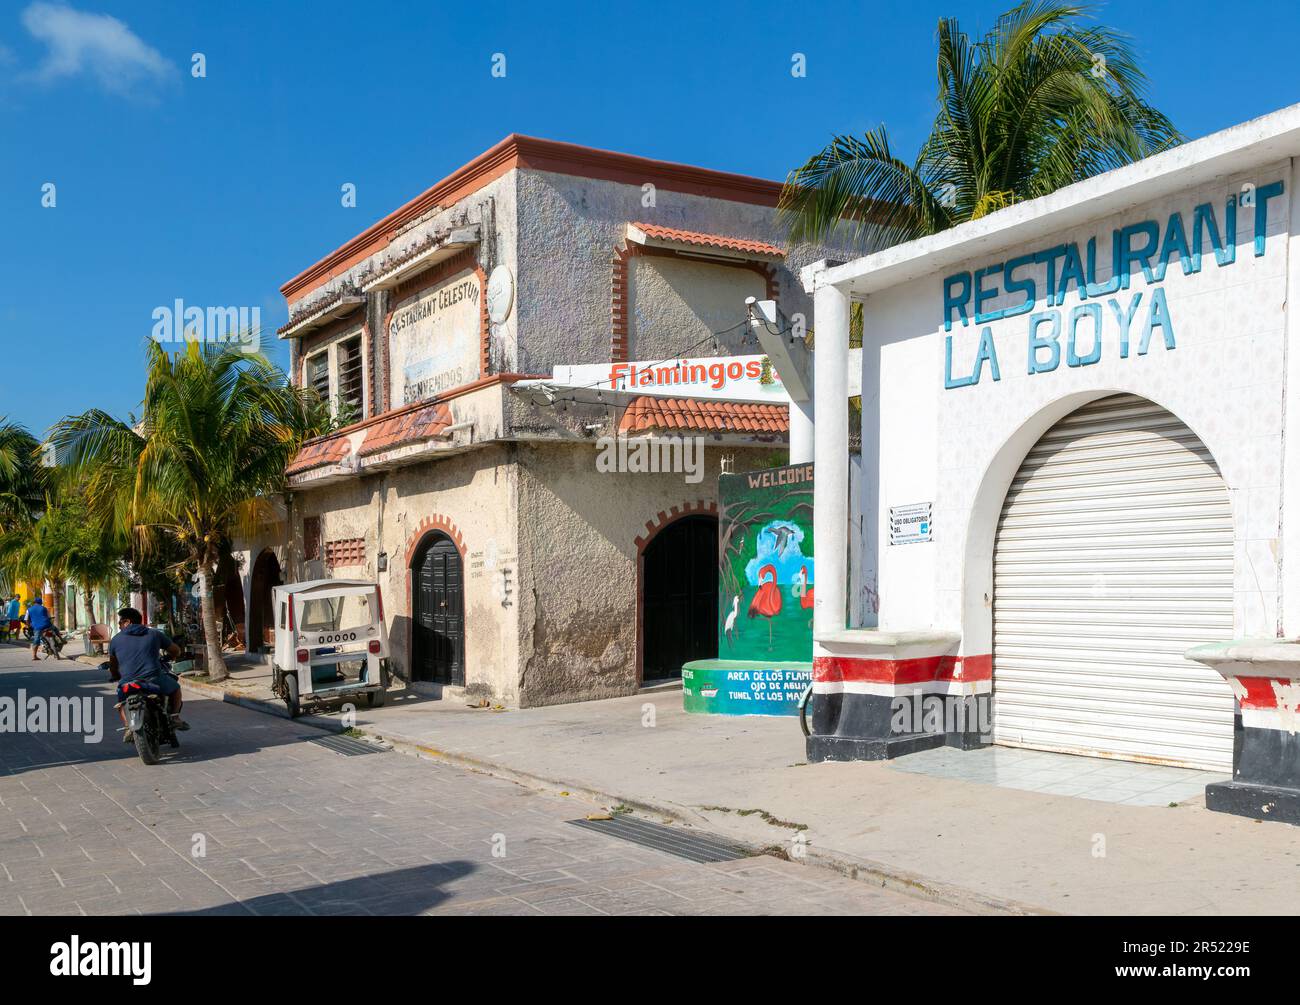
{"x":1266,"y":702}
{"x":944,"y":674}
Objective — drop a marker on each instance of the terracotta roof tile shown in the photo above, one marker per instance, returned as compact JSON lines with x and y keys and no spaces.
{"x":708,"y":240}
{"x":650,"y":412}
{"x":317,"y":308}
{"x":408,"y":427}
{"x":319,"y":453}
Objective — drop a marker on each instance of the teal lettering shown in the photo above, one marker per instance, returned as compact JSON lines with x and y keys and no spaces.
{"x":1157,"y":318}
{"x":953,"y":301}
{"x":1051,"y":342}
{"x":1072,"y":269}
{"x":1175,"y":241}
{"x":1072,"y":357}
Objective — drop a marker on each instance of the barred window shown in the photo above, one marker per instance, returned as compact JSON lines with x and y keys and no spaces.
{"x":318,"y":374}
{"x":351,"y":400}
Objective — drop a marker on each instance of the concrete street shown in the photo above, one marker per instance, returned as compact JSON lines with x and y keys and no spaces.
{"x":975,"y":837}
{"x":251,"y":816}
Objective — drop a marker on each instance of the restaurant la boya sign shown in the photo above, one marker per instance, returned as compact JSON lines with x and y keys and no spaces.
{"x":1101,"y":316}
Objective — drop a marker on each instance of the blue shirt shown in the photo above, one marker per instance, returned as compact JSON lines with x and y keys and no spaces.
{"x":13,"y":611}
{"x":137,"y":650}
{"x":39,"y":618}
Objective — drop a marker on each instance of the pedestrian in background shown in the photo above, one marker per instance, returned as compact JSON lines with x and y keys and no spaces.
{"x":12,"y":617}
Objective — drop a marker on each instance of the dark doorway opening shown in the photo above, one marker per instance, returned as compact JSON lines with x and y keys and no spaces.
{"x":680,"y":597}
{"x":438,"y":629}
{"x":228,"y":598}
{"x":261,"y":606}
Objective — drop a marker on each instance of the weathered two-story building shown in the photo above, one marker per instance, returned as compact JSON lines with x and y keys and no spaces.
{"x":521,"y":557}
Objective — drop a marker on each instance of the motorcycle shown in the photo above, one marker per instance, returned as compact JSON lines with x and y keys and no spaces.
{"x":147,"y":717}
{"x":52,"y":643}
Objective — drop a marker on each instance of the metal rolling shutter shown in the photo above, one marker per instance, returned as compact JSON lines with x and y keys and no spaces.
{"x":1114,"y":556}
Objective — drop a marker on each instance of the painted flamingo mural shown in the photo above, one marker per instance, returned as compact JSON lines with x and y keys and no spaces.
{"x":802,"y":590}
{"x":766,"y":570}
{"x":765,"y":540}
{"x":767,"y":599}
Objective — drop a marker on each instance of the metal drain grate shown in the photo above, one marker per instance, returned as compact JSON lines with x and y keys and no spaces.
{"x":348,"y":745}
{"x":690,"y":845}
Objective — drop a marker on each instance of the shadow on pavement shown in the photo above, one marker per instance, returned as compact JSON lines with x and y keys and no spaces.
{"x":400,"y":892}
{"x":217,"y":730}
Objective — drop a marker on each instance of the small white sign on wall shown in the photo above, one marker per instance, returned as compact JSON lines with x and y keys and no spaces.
{"x":911,"y":524}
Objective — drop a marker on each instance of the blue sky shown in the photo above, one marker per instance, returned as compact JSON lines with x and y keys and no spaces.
{"x":217,"y":190}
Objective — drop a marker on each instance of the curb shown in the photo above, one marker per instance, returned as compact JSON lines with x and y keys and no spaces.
{"x":254,"y":704}
{"x":850,"y":866}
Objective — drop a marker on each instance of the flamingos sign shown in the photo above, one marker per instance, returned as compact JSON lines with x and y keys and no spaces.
{"x":765,"y":596}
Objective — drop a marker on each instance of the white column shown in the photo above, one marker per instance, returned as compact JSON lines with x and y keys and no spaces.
{"x":831,"y":477}
{"x":802,"y":433}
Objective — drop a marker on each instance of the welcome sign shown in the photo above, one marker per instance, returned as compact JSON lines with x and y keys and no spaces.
{"x":1137,"y":319}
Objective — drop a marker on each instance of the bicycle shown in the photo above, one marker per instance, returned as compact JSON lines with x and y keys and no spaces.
{"x":805,"y":699}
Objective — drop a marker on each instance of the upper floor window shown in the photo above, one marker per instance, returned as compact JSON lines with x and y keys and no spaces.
{"x":351,"y":370}
{"x":337,"y":372}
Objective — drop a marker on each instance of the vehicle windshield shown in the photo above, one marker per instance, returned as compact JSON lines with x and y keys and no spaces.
{"x":330,"y":614}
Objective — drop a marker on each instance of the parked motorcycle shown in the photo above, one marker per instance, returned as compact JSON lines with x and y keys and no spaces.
{"x":147,"y":717}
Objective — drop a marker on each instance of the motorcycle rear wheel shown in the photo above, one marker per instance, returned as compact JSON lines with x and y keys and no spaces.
{"x":146,"y":745}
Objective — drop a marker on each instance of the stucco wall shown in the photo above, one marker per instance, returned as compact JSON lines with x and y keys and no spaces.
{"x":676,"y":302}
{"x":960,"y":447}
{"x":578,"y":561}
{"x":470,"y":494}
{"x":568,"y":231}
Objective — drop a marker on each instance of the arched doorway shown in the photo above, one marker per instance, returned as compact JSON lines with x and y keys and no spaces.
{"x":679,"y":596}
{"x":228,"y":599}
{"x":438,"y":612}
{"x":261,"y":609}
{"x":1113,"y":556}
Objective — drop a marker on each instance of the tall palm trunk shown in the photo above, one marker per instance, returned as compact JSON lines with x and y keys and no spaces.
{"x":211,"y":633}
{"x":88,"y":605}
{"x":56,"y":603}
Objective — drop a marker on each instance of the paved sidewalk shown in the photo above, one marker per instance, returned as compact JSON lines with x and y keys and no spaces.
{"x":967,"y":842}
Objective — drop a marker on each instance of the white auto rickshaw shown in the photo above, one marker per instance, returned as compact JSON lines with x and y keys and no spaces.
{"x":330,"y":642}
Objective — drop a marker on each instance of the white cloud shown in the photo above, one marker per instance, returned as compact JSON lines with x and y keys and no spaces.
{"x":93,"y":44}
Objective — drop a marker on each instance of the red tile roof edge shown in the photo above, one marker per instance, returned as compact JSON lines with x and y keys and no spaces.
{"x":703,"y":240}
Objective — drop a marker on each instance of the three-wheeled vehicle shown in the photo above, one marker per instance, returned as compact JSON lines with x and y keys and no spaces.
{"x":330,"y":642}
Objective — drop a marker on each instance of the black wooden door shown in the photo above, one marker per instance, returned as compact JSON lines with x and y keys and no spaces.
{"x":439,"y":642}
{"x":681,"y":597}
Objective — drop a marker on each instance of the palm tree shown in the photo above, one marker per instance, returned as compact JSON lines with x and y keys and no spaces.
{"x":66,"y":542}
{"x":218,"y":426}
{"x":22,"y":495}
{"x":1043,"y":100}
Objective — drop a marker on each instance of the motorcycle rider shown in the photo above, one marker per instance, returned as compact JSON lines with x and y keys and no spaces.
{"x":133,"y":655}
{"x":38,"y":620}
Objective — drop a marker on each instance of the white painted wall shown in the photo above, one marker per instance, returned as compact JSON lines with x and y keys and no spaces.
{"x":1226,"y":379}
